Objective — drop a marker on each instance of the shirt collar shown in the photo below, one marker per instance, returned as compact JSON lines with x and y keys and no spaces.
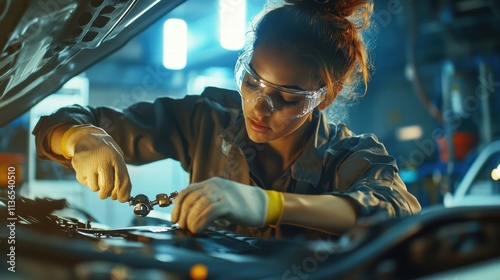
{"x":309,"y":165}
{"x":233,"y":135}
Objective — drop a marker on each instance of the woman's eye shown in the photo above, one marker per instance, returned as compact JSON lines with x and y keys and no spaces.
{"x":288,"y":101}
{"x":251,"y":85}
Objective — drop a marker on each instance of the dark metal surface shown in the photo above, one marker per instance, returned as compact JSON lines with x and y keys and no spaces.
{"x":435,"y":241}
{"x":45,"y":43}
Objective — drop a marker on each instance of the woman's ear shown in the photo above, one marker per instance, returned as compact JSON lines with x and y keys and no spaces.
{"x":329,"y":98}
{"x":323,"y":104}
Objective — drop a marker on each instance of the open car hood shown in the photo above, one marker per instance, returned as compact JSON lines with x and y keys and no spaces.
{"x":44,"y":43}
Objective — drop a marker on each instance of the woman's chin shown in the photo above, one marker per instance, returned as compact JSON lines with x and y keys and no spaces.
{"x":257,"y":137}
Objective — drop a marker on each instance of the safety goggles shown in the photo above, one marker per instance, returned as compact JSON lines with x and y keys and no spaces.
{"x":285,"y":102}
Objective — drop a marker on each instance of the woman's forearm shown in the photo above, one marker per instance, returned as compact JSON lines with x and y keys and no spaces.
{"x":327,"y":213}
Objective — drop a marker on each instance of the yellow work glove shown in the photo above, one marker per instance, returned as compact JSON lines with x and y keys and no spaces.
{"x":98,"y":161}
{"x":202,"y":203}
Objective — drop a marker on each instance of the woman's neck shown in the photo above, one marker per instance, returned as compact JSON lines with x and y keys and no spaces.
{"x":280,"y":154}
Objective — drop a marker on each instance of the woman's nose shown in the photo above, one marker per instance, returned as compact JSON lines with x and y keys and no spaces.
{"x":263,"y":105}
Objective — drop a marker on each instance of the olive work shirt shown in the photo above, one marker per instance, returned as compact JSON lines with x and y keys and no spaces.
{"x":207,"y":134}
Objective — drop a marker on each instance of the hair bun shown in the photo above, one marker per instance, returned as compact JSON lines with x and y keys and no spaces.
{"x":359,"y":11}
{"x":341,"y":8}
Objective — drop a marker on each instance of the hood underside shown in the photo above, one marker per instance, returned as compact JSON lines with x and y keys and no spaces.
{"x":43,"y":43}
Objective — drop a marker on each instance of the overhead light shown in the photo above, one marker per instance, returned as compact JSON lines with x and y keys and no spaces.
{"x":175,"y":44}
{"x":411,"y":132}
{"x":232,"y":21}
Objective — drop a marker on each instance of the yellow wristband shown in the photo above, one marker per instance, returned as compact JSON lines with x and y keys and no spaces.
{"x":275,"y":205}
{"x":65,"y":137}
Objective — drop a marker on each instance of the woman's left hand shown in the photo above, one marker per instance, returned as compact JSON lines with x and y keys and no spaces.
{"x":201,"y":203}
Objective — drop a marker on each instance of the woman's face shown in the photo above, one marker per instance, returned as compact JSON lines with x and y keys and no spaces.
{"x":280,"y":67}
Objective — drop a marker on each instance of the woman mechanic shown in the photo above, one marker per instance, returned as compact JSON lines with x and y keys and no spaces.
{"x":265,"y":159}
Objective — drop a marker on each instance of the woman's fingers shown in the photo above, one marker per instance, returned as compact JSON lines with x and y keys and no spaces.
{"x":199,"y":222}
{"x":197,"y":206}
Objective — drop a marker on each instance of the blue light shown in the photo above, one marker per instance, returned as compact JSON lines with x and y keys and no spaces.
{"x":232,"y":21}
{"x":408,"y":175}
{"x":175,"y":44}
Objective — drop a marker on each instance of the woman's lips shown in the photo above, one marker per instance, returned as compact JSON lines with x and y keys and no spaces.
{"x":258,"y":126}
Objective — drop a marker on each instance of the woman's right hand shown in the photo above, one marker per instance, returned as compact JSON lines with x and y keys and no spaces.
{"x":98,"y":161}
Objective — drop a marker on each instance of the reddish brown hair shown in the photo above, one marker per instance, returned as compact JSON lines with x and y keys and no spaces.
{"x":327,"y":33}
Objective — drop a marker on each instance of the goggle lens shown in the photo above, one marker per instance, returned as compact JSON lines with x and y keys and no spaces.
{"x":286,"y":102}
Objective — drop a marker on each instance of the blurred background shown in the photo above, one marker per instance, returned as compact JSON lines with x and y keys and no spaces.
{"x":431,"y":99}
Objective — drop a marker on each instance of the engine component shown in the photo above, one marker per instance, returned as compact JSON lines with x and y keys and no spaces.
{"x":142,"y":204}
